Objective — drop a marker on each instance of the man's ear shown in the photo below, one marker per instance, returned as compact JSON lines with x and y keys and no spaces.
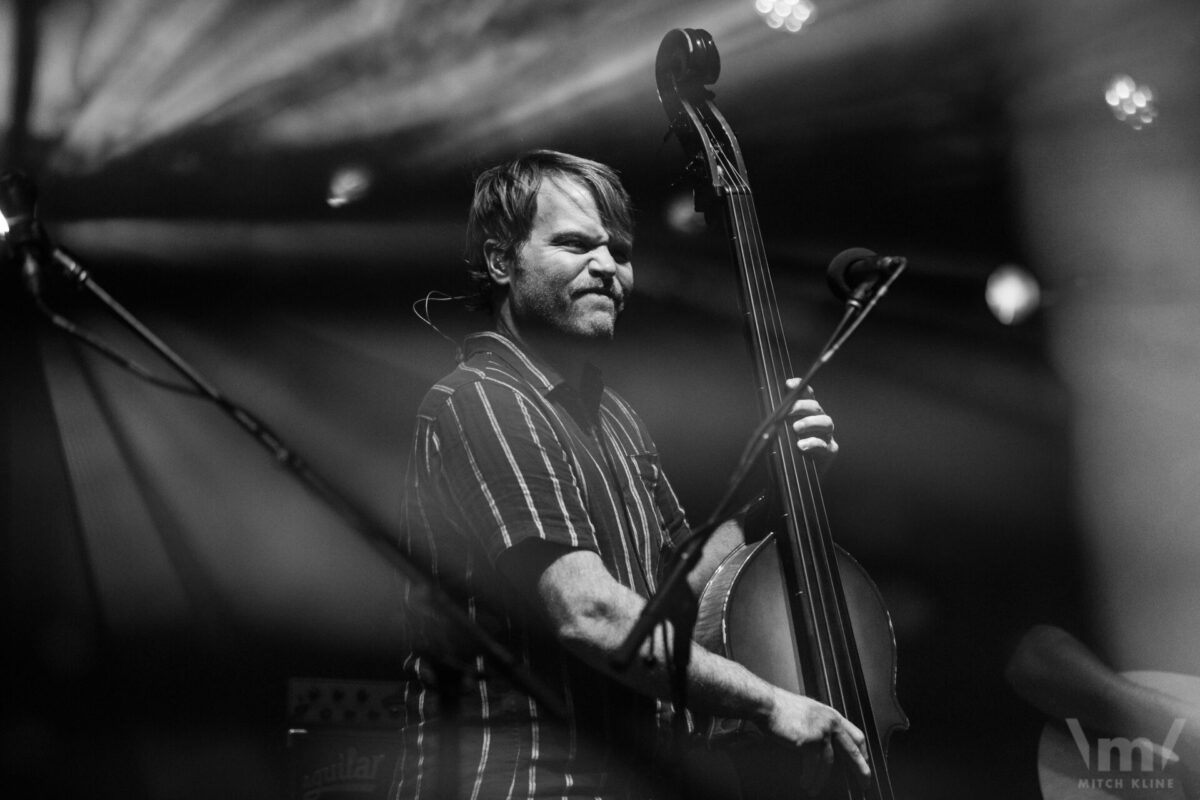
{"x":497,"y":259}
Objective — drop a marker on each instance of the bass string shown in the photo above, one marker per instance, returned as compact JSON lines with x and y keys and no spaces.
{"x":809,"y":541}
{"x":819,"y":547}
{"x":763,"y":308}
{"x":842,"y":675}
{"x":771,"y":352}
{"x":775,"y":366}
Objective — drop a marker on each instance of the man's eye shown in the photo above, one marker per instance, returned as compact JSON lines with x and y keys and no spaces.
{"x":619,"y":253}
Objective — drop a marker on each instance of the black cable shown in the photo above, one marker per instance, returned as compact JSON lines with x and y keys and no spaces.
{"x":108,"y":351}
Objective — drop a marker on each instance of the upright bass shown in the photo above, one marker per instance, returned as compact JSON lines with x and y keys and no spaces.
{"x":793,"y":607}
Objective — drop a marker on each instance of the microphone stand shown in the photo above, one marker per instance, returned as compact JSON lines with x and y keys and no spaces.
{"x":449,"y":668}
{"x":674,"y":601}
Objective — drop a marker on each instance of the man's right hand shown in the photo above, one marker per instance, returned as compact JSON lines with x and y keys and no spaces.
{"x":817,"y":730}
{"x":591,"y":614}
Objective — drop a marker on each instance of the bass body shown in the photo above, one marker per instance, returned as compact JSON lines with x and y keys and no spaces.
{"x":744,"y":616}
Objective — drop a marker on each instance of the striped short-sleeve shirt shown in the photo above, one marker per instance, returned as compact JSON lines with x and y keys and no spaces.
{"x":505,"y":450}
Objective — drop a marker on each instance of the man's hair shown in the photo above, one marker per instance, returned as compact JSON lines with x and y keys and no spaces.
{"x":505,"y":204}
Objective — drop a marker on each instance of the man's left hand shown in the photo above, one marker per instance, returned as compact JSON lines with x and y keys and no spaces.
{"x":813,"y":428}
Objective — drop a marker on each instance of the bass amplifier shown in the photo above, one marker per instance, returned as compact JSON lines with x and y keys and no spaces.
{"x":343,"y":738}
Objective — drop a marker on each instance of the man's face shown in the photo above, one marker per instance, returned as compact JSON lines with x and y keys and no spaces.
{"x":570,"y":276}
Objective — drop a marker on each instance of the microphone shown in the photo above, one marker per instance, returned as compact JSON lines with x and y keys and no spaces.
{"x":854,"y":272}
{"x":18,"y":203}
{"x":25,"y":237}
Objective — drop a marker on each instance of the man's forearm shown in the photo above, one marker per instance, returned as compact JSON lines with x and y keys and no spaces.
{"x":598,"y":621}
{"x":591,"y":614}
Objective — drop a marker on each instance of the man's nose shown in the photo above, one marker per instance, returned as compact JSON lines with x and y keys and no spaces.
{"x":602,"y":262}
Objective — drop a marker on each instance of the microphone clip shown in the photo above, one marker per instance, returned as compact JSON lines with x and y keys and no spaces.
{"x":874,"y":288}
{"x":860,"y":276}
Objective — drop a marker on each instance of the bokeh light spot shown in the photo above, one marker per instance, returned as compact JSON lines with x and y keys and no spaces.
{"x":682,"y":216}
{"x":1012,"y":294}
{"x":348,"y":185}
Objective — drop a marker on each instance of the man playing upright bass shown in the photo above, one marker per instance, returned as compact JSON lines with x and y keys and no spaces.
{"x":536,"y":497}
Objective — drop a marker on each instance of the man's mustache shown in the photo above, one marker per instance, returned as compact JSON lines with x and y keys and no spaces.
{"x":613,"y":292}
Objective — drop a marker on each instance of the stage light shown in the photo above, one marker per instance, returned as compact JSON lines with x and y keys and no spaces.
{"x":1130,"y":102}
{"x":1012,"y":294}
{"x":3,"y":226}
{"x":790,"y":15}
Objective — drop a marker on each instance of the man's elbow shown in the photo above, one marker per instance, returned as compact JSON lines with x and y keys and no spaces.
{"x":586,"y":609}
{"x":589,"y":624}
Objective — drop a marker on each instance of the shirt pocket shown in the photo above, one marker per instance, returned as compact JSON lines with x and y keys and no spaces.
{"x":648,"y":470}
